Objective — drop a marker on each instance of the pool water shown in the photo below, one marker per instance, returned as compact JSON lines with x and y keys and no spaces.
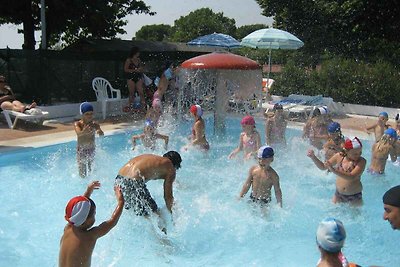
{"x":210,"y":226}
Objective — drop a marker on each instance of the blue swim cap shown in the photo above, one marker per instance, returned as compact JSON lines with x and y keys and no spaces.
{"x":391,"y":132}
{"x":265,"y":152}
{"x":85,"y":107}
{"x":331,"y":235}
{"x":334,"y":127}
{"x":149,"y":122}
{"x":384,"y":114}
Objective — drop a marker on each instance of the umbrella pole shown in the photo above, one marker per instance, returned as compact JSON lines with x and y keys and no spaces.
{"x":269,"y":63}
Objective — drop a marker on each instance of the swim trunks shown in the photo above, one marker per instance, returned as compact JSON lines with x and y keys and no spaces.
{"x":136,"y":195}
{"x":348,"y":198}
{"x":204,"y":147}
{"x":85,"y":154}
{"x":260,"y":200}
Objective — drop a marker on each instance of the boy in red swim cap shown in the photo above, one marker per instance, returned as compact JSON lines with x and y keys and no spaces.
{"x":79,"y":238}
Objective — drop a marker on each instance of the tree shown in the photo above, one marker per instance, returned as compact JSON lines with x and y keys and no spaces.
{"x":351,"y":28}
{"x":201,"y":22}
{"x":156,"y":32}
{"x":67,"y":20}
{"x":245,"y":30}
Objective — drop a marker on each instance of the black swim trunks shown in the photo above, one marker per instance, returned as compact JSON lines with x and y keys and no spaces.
{"x":136,"y":195}
{"x":260,"y":200}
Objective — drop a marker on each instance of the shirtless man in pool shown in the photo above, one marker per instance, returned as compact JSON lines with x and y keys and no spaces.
{"x":348,"y":167}
{"x":134,"y":175}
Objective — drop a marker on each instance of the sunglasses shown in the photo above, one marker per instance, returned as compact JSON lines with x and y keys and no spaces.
{"x":2,"y":81}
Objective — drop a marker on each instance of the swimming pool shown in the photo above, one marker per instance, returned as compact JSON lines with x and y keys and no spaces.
{"x":210,"y":226}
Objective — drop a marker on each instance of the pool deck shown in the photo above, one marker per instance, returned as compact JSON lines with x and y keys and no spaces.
{"x":28,"y":135}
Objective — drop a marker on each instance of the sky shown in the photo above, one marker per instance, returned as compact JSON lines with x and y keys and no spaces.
{"x":244,"y":12}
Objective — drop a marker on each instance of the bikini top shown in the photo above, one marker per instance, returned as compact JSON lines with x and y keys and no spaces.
{"x":353,"y":165}
{"x":251,"y":143}
{"x":132,"y":65}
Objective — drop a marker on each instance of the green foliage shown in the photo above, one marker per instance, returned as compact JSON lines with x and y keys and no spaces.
{"x":67,"y":21}
{"x":344,"y":80}
{"x":202,"y":22}
{"x":350,"y":28}
{"x":156,"y":32}
{"x":245,"y":30}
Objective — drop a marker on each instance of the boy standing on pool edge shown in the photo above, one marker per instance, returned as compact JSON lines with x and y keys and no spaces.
{"x":85,"y":130}
{"x":79,"y":238}
{"x":262,"y":177}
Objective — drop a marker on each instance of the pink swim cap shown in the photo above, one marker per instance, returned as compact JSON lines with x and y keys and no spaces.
{"x":248,"y":120}
{"x":77,"y":210}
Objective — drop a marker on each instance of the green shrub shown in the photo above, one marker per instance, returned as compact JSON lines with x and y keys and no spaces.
{"x":344,"y":80}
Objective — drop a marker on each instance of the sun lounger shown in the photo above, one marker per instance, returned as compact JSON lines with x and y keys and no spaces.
{"x":299,"y":104}
{"x":38,"y":117}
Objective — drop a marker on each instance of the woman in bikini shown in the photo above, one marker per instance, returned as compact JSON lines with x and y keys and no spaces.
{"x":7,"y":98}
{"x":198,"y":137}
{"x":348,"y":167}
{"x":335,"y":141}
{"x":275,"y":127}
{"x":249,"y":141}
{"x":381,"y":151}
{"x":134,"y":74}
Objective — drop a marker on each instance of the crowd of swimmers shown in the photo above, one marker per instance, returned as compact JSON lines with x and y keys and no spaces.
{"x":334,"y":153}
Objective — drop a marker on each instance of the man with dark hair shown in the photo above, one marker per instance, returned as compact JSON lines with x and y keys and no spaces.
{"x":391,"y":205}
{"x":134,"y":175}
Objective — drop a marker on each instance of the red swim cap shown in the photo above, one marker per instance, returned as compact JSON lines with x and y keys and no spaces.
{"x":248,"y":120}
{"x":352,"y":143}
{"x":196,"y":110}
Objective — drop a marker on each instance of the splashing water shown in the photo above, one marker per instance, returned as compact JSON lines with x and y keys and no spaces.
{"x":209,"y":226}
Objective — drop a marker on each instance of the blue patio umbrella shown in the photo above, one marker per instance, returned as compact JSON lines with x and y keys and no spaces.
{"x":216,"y":39}
{"x":271,"y":39}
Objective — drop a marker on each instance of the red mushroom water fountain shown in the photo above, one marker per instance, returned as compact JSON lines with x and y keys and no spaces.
{"x":212,"y":80}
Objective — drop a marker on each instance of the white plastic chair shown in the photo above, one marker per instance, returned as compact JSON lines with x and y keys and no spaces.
{"x":105,"y":93}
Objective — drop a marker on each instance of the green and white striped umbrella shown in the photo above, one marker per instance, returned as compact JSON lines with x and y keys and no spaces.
{"x":271,"y":39}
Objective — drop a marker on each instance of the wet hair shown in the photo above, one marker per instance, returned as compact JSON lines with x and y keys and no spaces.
{"x":174,"y":157}
{"x":316,"y":112}
{"x":134,"y":51}
{"x":277,"y":106}
{"x":167,"y":64}
{"x":92,"y":208}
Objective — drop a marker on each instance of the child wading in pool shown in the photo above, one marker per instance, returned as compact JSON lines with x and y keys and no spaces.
{"x":262,"y":177}
{"x":348,"y":167}
{"x":149,"y":136}
{"x":85,"y":130}
{"x":380,"y":126}
{"x":79,"y":238}
{"x":249,"y":140}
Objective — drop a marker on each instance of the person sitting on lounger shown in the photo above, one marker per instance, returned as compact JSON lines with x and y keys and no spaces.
{"x":7,"y":98}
